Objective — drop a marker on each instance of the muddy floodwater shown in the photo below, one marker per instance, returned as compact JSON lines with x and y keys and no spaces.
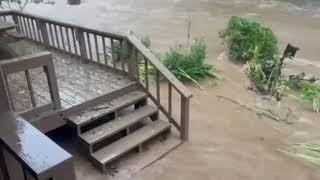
{"x":226,"y":142}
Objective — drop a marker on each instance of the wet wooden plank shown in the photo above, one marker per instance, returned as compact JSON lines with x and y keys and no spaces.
{"x":129,"y":142}
{"x":105,"y":108}
{"x":106,"y":130}
{"x":34,"y":156}
{"x":77,"y":82}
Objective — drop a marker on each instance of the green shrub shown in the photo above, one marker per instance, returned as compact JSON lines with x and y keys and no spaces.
{"x":311,"y":93}
{"x":189,"y":65}
{"x":252,"y":43}
{"x":248,"y":39}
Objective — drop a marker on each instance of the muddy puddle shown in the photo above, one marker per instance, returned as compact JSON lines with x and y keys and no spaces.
{"x":226,"y":141}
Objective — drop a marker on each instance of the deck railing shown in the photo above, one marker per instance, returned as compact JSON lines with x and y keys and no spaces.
{"x":25,"y":64}
{"x":124,"y":53}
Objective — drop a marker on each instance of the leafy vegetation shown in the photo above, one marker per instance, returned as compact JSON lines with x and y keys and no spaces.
{"x":311,"y":93}
{"x":309,"y":152}
{"x":254,"y":44}
{"x":189,"y":64}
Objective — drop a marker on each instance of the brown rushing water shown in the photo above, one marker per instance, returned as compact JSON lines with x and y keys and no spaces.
{"x":226,"y":142}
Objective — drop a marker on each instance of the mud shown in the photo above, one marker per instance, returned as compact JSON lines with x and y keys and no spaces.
{"x":226,"y":141}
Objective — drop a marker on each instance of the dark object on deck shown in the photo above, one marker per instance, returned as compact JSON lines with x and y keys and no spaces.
{"x":74,"y":2}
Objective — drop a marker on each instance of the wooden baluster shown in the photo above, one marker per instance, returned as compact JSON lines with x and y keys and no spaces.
{"x":146,"y":71}
{"x":52,"y":84}
{"x":113,"y":54}
{"x":68,"y":39}
{"x":29,"y":28}
{"x":137,"y":65}
{"x":97,"y":47}
{"x":158,"y":86}
{"x":82,"y":45}
{"x":185,"y":112}
{"x":21,"y":25}
{"x":89,"y":46}
{"x":25,"y":27}
{"x":51,"y":34}
{"x":16,"y":22}
{"x":170,"y":99}
{"x":73,"y":31}
{"x":62,"y":38}
{"x":122,"y":55}
{"x":56,"y":35}
{"x":5,"y":78}
{"x":34,"y":30}
{"x":5,"y":103}
{"x":29,"y":83}
{"x":4,"y":18}
{"x":44,"y":32}
{"x":38,"y":29}
{"x":104,"y":50}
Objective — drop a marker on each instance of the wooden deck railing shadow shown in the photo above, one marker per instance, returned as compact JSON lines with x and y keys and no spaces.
{"x":111,"y":50}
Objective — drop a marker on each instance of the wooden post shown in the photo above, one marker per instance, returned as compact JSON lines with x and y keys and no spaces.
{"x":4,"y":96}
{"x":82,"y":44}
{"x":44,"y":32}
{"x":16,"y":22}
{"x":185,"y":111}
{"x":132,"y":60}
{"x":52,"y":84}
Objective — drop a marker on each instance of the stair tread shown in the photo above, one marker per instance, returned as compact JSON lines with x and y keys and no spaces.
{"x":114,"y":150}
{"x":98,"y":111}
{"x":106,"y":130}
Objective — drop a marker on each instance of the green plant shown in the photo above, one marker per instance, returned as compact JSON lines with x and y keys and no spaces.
{"x":248,"y":39}
{"x":252,"y":43}
{"x":311,"y":93}
{"x":309,"y":152}
{"x":189,"y":64}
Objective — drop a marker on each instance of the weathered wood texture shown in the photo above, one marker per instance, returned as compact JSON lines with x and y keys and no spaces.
{"x":106,"y":49}
{"x":37,"y":154}
{"x":77,"y":82}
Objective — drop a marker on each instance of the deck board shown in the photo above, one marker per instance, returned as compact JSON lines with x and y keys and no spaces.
{"x":77,"y":82}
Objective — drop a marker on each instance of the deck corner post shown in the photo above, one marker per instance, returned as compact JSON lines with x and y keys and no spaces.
{"x":82,"y":44}
{"x":44,"y":32}
{"x":185,"y":113}
{"x":132,"y":60}
{"x":16,"y":22}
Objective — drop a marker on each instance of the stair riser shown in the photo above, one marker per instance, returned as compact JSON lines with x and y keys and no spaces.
{"x":103,"y":165}
{"x":81,"y":107}
{"x":152,"y":114}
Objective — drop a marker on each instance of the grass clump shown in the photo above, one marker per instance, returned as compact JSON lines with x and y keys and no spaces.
{"x":189,"y":64}
{"x":309,"y":152}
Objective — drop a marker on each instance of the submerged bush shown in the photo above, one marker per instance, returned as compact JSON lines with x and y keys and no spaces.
{"x":252,"y":43}
{"x":248,"y":39}
{"x":189,"y":64}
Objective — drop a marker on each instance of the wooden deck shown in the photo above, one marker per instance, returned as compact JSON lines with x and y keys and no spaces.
{"x":77,"y":82}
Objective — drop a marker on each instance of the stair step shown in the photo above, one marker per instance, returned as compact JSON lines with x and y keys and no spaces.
{"x":127,"y":143}
{"x":106,"y":130}
{"x":96,"y":112}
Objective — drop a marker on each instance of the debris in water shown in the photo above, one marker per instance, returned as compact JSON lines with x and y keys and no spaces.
{"x":309,"y":152}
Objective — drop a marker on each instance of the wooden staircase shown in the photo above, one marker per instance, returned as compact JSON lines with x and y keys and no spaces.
{"x":117,"y":126}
